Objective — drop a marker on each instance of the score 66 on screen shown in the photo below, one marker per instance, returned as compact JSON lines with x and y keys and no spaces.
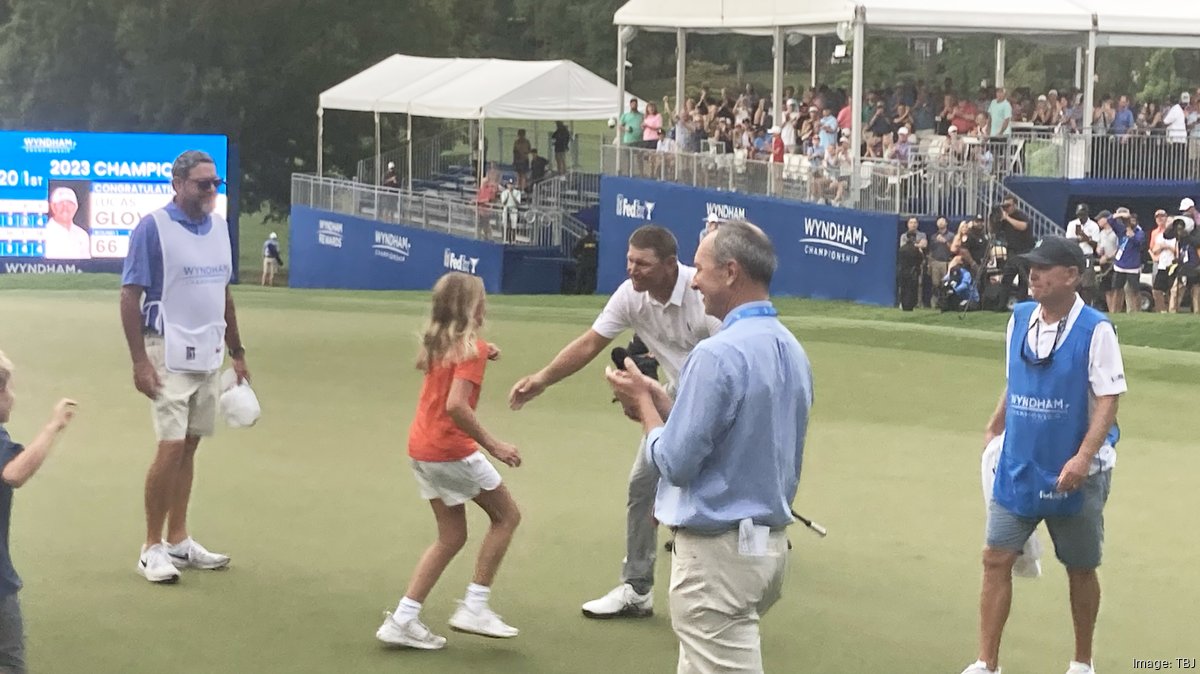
{"x":78,"y":196}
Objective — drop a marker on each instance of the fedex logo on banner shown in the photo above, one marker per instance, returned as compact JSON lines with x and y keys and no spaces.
{"x":461,"y":263}
{"x":835,"y":241}
{"x":635,"y":208}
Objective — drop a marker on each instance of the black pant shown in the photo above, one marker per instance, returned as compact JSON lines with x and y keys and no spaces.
{"x":909,"y":286}
{"x":585,"y":279}
{"x":1015,"y":268}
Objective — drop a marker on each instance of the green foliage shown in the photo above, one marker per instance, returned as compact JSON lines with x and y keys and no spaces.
{"x":253,"y":70}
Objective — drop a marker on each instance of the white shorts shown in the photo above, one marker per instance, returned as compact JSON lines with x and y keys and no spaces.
{"x":187,"y":402}
{"x":455,"y":482}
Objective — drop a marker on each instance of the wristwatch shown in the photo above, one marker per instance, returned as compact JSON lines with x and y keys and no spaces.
{"x":238,"y":352}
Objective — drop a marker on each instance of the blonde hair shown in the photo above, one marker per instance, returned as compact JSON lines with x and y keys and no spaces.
{"x":452,"y":330}
{"x":6,"y":368}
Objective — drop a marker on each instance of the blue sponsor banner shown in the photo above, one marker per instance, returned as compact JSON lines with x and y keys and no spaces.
{"x":37,"y":265}
{"x":824,"y":252}
{"x":331,"y":250}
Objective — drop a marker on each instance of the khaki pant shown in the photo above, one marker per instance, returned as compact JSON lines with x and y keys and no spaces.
{"x":187,"y":402}
{"x":717,"y":598}
{"x":937,"y":272}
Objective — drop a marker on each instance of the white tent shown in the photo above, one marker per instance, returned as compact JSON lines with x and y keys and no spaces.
{"x":1086,"y":24}
{"x":473,"y":89}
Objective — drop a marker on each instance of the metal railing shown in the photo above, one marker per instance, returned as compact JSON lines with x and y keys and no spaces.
{"x":444,"y":154}
{"x":1141,"y":154}
{"x":923,"y":185}
{"x":581,"y":154}
{"x":524,"y":226}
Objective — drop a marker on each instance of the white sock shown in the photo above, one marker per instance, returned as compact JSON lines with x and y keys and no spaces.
{"x":406,"y":610}
{"x":981,"y":663}
{"x":1082,"y":664}
{"x":477,"y":596}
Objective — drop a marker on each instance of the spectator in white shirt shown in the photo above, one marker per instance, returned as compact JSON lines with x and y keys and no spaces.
{"x":1176,"y":120}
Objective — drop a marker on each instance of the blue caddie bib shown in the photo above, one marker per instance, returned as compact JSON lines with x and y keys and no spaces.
{"x":1046,"y":417}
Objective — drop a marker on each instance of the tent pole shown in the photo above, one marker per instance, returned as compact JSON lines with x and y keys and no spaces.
{"x":856,"y":109}
{"x":680,"y":88}
{"x":777,"y":78}
{"x":620,"y":91}
{"x":1000,"y":64}
{"x":378,"y":152}
{"x":483,"y":228}
{"x":1089,"y":86}
{"x":1079,"y":67}
{"x":812,"y":77}
{"x":410,"y":144}
{"x":320,"y":142}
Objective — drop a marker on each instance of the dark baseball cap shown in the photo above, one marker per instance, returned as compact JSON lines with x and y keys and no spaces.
{"x":1056,"y":251}
{"x":1082,"y":208}
{"x":1103,"y":214}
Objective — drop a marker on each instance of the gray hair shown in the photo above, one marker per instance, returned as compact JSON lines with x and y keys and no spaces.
{"x":747,"y":245}
{"x":187,"y":161}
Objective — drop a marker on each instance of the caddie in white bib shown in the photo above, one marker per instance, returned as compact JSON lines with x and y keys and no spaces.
{"x":196,"y":270}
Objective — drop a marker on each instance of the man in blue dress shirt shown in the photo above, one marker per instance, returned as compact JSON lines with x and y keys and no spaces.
{"x":729,"y":456}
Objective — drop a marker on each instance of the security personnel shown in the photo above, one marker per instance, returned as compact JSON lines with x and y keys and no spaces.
{"x":586,"y":254}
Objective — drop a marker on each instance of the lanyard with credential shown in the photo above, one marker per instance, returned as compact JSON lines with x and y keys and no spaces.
{"x":750,"y":312}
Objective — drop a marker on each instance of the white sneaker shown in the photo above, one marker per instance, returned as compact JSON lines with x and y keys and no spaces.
{"x":1080,"y":668}
{"x":190,"y":554}
{"x":155,"y":565}
{"x":412,"y":633}
{"x":980,"y":667}
{"x":621,"y":602}
{"x":484,"y":622}
{"x":1027,"y":567}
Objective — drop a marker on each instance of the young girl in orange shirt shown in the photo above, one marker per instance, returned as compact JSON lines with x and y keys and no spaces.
{"x":443,"y":445}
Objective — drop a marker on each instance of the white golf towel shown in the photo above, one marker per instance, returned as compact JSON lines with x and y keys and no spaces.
{"x":1029,"y":563}
{"x":239,"y":405}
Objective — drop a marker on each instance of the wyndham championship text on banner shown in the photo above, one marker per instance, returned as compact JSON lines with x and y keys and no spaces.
{"x":824,"y":252}
{"x":331,"y":250}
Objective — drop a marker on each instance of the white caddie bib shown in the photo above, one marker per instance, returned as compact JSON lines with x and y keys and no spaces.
{"x":196,"y":270}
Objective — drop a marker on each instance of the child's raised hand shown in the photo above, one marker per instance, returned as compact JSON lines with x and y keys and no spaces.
{"x":493,"y":352}
{"x":64,"y":411}
{"x":506,"y":453}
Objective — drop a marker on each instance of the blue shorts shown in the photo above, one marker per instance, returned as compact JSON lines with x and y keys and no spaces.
{"x":1078,"y":539}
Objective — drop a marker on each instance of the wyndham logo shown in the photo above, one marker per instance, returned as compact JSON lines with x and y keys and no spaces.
{"x":635,"y":208}
{"x":1043,"y":408}
{"x":392,"y":246}
{"x":329,"y":233}
{"x":833,"y":240}
{"x":461,"y":263}
{"x":48,"y":145}
{"x":725,"y":211}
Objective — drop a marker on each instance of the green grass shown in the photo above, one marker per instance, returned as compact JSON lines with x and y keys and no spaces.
{"x":319,"y":511}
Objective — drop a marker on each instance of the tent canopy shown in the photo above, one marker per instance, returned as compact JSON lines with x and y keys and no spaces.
{"x":1154,"y":23}
{"x":457,"y":88}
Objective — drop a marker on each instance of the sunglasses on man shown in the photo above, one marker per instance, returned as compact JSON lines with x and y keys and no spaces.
{"x":208,"y":184}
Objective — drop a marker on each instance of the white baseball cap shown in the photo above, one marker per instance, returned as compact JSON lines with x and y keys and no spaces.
{"x":238,"y":403}
{"x":712,"y":217}
{"x":63,"y":194}
{"x":952,"y":130}
{"x":1185,"y":97}
{"x":1186,"y":204}
{"x":903,"y":131}
{"x":273,"y":236}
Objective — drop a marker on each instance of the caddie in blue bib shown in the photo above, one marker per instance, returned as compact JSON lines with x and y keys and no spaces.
{"x":1046,"y":416}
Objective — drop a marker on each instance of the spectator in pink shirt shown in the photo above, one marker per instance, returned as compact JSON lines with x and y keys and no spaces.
{"x":651,"y":125}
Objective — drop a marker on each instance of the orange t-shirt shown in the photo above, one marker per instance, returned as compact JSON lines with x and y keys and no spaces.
{"x":433,"y":435}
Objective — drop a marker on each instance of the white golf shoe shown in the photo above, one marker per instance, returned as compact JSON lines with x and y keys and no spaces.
{"x":411,"y":633}
{"x":190,"y":554}
{"x":155,"y":565}
{"x":621,"y":602}
{"x":484,"y":622}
